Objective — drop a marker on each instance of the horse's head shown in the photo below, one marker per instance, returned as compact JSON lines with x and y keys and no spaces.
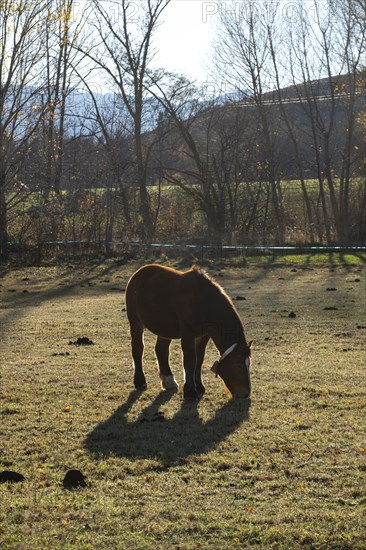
{"x":234,"y":369}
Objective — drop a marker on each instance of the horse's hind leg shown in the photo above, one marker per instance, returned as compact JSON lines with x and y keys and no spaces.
{"x":137,"y":343}
{"x":168,"y":381}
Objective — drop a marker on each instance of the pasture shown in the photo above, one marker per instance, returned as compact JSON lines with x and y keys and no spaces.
{"x":289,"y":472}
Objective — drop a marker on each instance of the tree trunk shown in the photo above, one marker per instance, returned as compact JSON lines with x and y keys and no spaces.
{"x":4,"y":250}
{"x":145,"y":210}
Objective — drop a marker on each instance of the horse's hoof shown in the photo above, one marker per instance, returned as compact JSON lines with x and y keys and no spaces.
{"x":190,"y":393}
{"x":141,"y":388}
{"x":169,"y":383}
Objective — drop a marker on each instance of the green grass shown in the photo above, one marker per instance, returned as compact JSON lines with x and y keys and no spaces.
{"x":289,"y":474}
{"x":317,"y":259}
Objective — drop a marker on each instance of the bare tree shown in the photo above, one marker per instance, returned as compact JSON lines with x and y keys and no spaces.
{"x":243,"y":55}
{"x":326,"y":51}
{"x":350,"y":26}
{"x":105,"y":122}
{"x":189,"y":164}
{"x":21,"y":81}
{"x":63,"y":30}
{"x":124,"y":54}
{"x":321,"y":50}
{"x":279,"y":53}
{"x":207,"y":153}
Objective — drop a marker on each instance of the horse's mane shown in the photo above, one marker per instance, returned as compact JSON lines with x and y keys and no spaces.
{"x":206,"y":278}
{"x":216,"y":294}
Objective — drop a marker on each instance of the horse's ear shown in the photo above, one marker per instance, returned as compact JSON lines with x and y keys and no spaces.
{"x":215,"y":367}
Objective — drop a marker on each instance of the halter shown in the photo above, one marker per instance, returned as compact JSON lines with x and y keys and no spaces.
{"x":225,"y":354}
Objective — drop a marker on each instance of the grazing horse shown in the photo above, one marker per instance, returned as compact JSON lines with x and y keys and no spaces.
{"x":191,"y":306}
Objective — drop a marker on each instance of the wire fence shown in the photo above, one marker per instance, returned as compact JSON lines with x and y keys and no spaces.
{"x":70,"y":249}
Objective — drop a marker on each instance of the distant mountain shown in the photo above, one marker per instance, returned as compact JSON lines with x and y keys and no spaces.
{"x":234,"y":97}
{"x":82,"y":109}
{"x":83,"y":112}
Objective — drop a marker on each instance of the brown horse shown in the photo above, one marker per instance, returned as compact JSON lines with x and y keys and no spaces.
{"x":191,"y":306}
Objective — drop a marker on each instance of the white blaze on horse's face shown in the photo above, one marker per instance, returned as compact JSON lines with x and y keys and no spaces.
{"x":233,"y":368}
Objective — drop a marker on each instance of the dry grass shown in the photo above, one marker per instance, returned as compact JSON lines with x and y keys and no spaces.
{"x":169,"y":474}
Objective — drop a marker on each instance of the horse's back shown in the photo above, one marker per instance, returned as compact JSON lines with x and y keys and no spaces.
{"x":152,"y":278}
{"x":153,"y":295}
{"x":149,"y":271}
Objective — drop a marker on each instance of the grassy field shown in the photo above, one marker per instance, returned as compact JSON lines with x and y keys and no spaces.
{"x":163,"y":473}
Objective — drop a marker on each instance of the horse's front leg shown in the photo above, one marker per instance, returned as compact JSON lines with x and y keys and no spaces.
{"x":201,"y":344}
{"x":137,"y":344}
{"x":168,"y":381}
{"x":189,"y":364}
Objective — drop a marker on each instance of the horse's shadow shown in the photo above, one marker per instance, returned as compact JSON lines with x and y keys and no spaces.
{"x":169,"y":440}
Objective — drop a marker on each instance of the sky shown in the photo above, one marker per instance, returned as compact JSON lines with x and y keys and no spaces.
{"x":183,"y":40}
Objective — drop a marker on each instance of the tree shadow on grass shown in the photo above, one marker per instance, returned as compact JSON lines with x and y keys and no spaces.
{"x":16,"y":305}
{"x":170,"y":440}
